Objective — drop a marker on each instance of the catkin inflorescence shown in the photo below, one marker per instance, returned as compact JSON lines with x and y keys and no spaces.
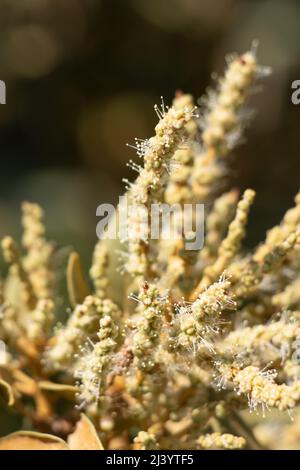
{"x":157,"y":153}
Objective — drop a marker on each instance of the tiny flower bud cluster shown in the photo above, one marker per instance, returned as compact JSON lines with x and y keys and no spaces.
{"x":217,"y":440}
{"x":81,"y":325}
{"x":200,"y":321}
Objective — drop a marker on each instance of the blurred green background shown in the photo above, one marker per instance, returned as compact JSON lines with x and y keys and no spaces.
{"x":82,"y":77}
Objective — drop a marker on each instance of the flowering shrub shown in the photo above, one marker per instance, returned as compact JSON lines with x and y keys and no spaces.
{"x":202,"y":337}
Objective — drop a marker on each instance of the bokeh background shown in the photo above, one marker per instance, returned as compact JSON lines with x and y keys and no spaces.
{"x":82,"y":77}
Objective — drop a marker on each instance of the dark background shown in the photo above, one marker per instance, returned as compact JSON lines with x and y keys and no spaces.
{"x":82,"y":78}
